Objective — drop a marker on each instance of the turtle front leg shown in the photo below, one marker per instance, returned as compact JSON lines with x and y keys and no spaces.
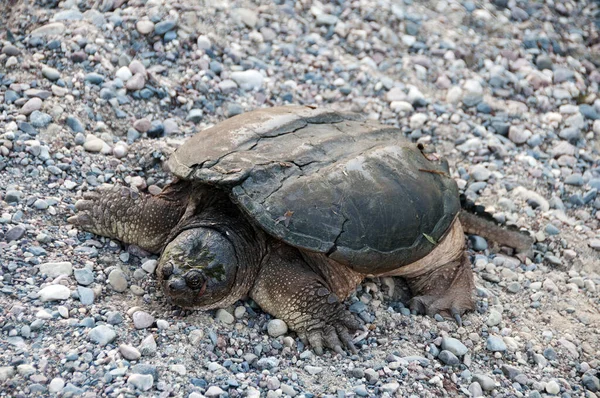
{"x":288,"y":289}
{"x":135,"y":218}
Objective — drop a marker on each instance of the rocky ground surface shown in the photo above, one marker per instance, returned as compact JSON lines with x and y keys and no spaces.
{"x":102,"y":91}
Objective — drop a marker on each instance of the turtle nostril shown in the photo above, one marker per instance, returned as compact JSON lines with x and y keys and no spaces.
{"x":177,"y":284}
{"x":167,"y":270}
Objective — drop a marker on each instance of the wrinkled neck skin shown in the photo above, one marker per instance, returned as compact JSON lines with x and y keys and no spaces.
{"x":213,"y":257}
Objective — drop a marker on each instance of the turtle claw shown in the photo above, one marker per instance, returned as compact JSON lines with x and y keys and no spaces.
{"x":456,"y":315}
{"x":336,"y":338}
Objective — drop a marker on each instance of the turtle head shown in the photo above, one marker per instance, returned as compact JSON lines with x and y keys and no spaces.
{"x":198,"y":268}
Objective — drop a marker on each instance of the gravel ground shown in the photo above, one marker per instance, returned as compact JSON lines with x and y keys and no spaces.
{"x":102,"y":91}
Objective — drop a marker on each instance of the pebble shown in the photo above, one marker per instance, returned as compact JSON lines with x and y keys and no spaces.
{"x":33,"y":104}
{"x":448,"y":358}
{"x":117,"y":280}
{"x":50,"y":73}
{"x":56,"y":385}
{"x":224,"y":316}
{"x":485,"y":382}
{"x":453,"y":345}
{"x":136,"y":82}
{"x":552,"y":387}
{"x":276,"y":328}
{"x":145,"y":27}
{"x":195,"y":115}
{"x":102,"y":335}
{"x":495,"y":344}
{"x":50,"y":29}
{"x":15,"y":233}
{"x":214,"y":391}
{"x":54,"y":293}
{"x":313,"y":370}
{"x":141,"y":382}
{"x":248,"y":80}
{"x":148,"y":346}
{"x":142,"y":320}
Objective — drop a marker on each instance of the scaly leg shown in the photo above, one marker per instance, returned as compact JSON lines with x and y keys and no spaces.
{"x":288,"y":289}
{"x":135,"y":218}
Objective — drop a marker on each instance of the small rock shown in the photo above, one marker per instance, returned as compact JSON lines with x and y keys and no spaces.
{"x":248,"y":79}
{"x":276,"y":328}
{"x":50,"y":73}
{"x":33,"y":104}
{"x":486,"y":382}
{"x":453,"y":345}
{"x":495,"y":344}
{"x":145,"y":27}
{"x":142,"y":320}
{"x":54,"y":293}
{"x":313,"y":370}
{"x":117,"y":280}
{"x":129,"y":352}
{"x":552,"y":387}
{"x":142,"y":382}
{"x":102,"y":335}
{"x":224,"y":316}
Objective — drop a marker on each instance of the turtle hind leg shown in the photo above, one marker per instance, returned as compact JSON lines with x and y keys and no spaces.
{"x":135,"y":218}
{"x":441,"y":282}
{"x":447,"y":290}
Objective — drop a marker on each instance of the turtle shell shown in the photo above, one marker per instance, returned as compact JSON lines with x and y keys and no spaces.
{"x":328,"y":182}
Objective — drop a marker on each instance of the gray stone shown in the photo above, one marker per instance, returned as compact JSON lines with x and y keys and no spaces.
{"x":475,"y":389}
{"x":39,"y":119}
{"x":195,"y":115}
{"x":117,"y":280}
{"x":148,"y":346}
{"x":495,"y":344}
{"x":141,"y":382}
{"x":55,"y":293}
{"x":56,"y":385}
{"x":313,"y":370}
{"x":486,"y":382}
{"x":51,"y":29}
{"x":248,"y":79}
{"x":164,"y":26}
{"x":6,"y":373}
{"x":15,"y":233}
{"x":448,"y":358}
{"x":84,"y":276}
{"x":75,"y":124}
{"x":214,"y":391}
{"x":102,"y":335}
{"x":53,"y":270}
{"x":50,"y":73}
{"x":142,"y":320}
{"x":276,"y":328}
{"x":72,"y":14}
{"x":453,"y":345}
{"x":129,"y":352}
{"x":224,"y":316}
{"x":86,"y":295}
{"x":33,"y":104}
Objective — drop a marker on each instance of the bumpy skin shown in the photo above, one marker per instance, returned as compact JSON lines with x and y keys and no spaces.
{"x":139,"y":219}
{"x":289,"y":289}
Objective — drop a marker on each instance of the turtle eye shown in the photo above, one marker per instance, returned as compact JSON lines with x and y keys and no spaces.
{"x":167,"y":270}
{"x":194,"y":279}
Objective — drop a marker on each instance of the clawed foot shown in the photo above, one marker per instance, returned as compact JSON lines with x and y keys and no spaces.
{"x":449,"y":306}
{"x":92,"y":209}
{"x":334,"y":335}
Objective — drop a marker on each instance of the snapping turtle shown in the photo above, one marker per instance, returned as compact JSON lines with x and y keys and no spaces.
{"x":294,"y":206}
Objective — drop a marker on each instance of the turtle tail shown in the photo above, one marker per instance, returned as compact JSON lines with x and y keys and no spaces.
{"x":476,"y":221}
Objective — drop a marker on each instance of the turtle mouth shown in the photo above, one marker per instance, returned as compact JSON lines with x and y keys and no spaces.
{"x":203,"y":288}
